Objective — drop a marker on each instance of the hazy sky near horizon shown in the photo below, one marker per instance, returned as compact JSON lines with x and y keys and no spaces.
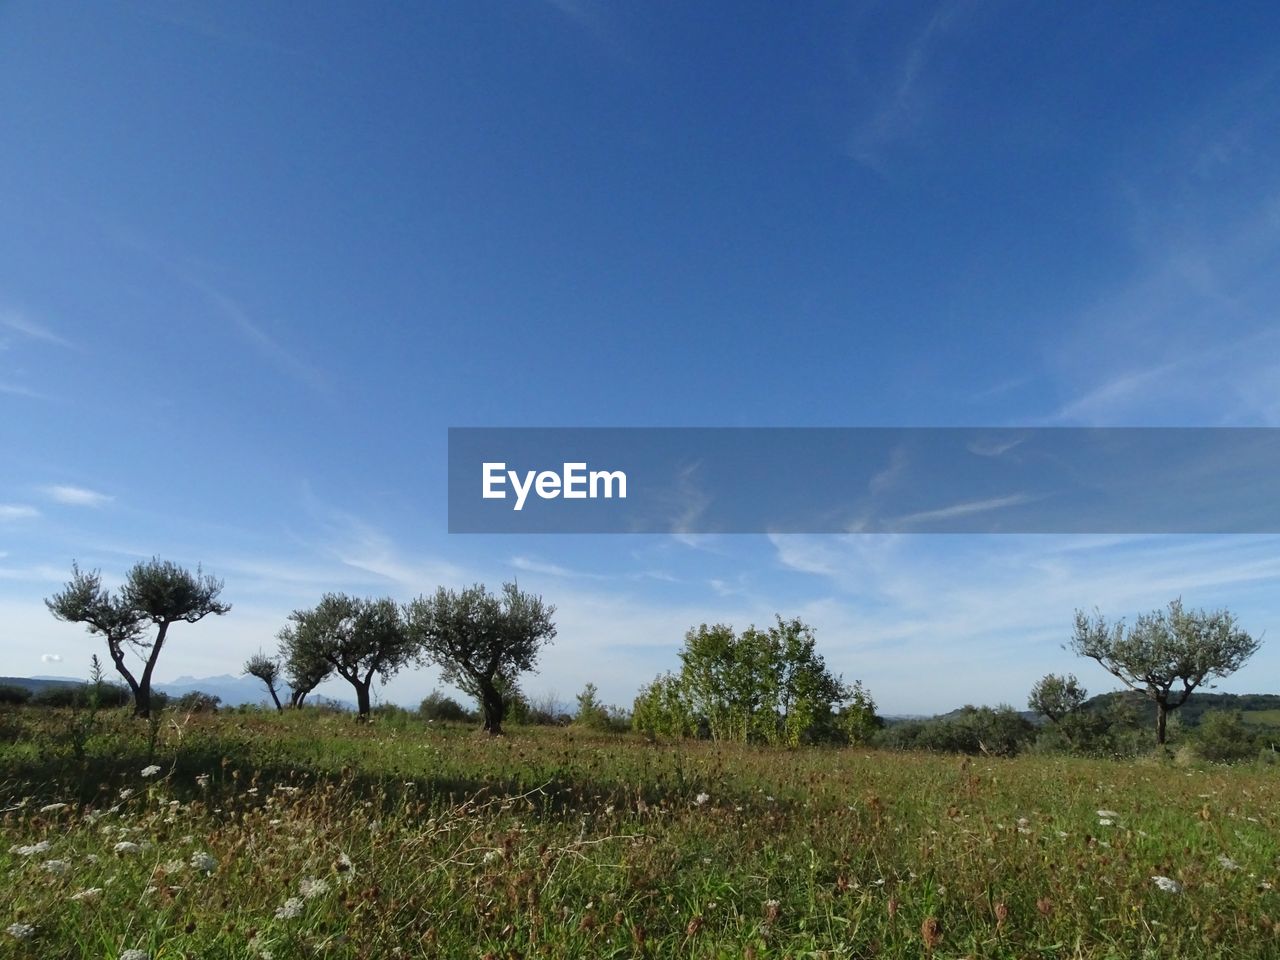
{"x":256,"y":258}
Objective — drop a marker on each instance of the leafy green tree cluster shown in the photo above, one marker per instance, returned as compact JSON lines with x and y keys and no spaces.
{"x":757,"y":686}
{"x":997,"y":731}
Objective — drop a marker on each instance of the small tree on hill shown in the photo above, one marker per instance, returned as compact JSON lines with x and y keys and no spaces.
{"x":358,"y":639}
{"x":482,"y":642}
{"x":266,"y":669}
{"x":85,"y":600}
{"x":156,"y":591}
{"x":1167,"y":654}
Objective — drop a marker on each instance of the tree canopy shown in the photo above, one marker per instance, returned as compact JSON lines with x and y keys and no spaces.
{"x":481,"y":641}
{"x":1166,"y":654}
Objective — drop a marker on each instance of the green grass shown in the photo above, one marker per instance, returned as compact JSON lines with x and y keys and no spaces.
{"x":398,"y":839}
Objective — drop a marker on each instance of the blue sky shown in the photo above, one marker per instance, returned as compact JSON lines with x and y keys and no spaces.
{"x":254,"y":262}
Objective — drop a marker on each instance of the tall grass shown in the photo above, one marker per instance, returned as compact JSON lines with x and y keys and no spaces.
{"x":302,"y":835}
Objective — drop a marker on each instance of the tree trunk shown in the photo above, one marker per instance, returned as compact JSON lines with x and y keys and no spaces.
{"x":362,"y":699}
{"x":142,"y":699}
{"x":1162,"y":718}
{"x":117,"y":657}
{"x":493,"y":708}
{"x":271,"y":688}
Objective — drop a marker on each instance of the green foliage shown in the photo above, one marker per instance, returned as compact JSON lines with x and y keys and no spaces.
{"x":482,"y":642}
{"x":1224,"y":737}
{"x":438,"y":706}
{"x":760,"y":686}
{"x":593,"y":714}
{"x":356,"y":638}
{"x":999,"y":731}
{"x":12,"y":696}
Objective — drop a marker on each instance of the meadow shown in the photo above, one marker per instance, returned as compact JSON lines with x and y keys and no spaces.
{"x":305,"y":834}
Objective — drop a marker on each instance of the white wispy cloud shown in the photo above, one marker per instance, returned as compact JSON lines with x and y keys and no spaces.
{"x":29,"y":329}
{"x":904,"y":100}
{"x":77,"y":496}
{"x":50,"y":658}
{"x":17,"y":511}
{"x":966,"y":508}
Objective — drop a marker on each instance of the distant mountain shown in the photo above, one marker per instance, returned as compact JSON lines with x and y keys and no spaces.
{"x":232,"y":691}
{"x":1261,"y":708}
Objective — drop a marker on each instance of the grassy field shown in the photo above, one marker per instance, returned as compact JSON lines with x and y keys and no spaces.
{"x":305,"y":835}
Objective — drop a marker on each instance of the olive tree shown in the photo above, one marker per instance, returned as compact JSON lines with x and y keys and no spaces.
{"x":481,"y":641}
{"x":356,"y":638}
{"x":85,"y":600}
{"x":266,"y":669}
{"x":1166,"y":654}
{"x":156,"y":592}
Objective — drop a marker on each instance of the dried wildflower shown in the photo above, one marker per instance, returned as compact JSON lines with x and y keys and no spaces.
{"x":53,"y":807}
{"x":58,"y":867}
{"x":87,"y":895}
{"x":1108,"y":814}
{"x":311,"y":888}
{"x":20,"y":931}
{"x":126,"y":847}
{"x":931,"y":932}
{"x":772,"y":909}
{"x":1227,"y":863}
{"x":1167,"y":884}
{"x":291,"y":909}
{"x":204,"y":862}
{"x":202,"y":781}
{"x":701,"y":798}
{"x":135,"y":954}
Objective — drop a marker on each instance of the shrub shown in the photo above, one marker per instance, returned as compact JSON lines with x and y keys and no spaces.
{"x":197,"y":701}
{"x":13,"y":695}
{"x":438,"y":706}
{"x":1224,"y":737}
{"x":77,"y":695}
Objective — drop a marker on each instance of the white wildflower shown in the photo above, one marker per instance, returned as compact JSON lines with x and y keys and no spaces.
{"x":1167,"y":884}
{"x":1105,"y":822}
{"x":20,"y":931}
{"x":87,"y":895}
{"x":135,"y":954}
{"x":126,"y":793}
{"x":291,"y":909}
{"x":1108,"y":814}
{"x":30,"y":850}
{"x":204,"y":862}
{"x":126,"y":847}
{"x":701,"y":798}
{"x":310,"y":888}
{"x":493,"y":856}
{"x":53,"y":807}
{"x":202,"y":780}
{"x":58,"y":867}
{"x":1227,"y":863}
{"x":150,"y":770}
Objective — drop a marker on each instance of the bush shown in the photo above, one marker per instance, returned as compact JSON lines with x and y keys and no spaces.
{"x":13,"y":695}
{"x":437,"y":706}
{"x":1001,"y":731}
{"x":197,"y":701}
{"x":77,"y":695}
{"x":1224,"y":737}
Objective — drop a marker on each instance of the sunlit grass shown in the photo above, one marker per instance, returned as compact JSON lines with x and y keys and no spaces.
{"x":307,"y":835}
